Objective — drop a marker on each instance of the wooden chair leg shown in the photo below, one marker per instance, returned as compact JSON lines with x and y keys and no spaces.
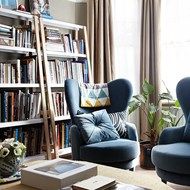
{"x":132,"y":169}
{"x":164,"y":181}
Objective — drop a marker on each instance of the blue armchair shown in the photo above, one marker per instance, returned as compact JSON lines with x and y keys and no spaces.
{"x":121,"y":153}
{"x":172,"y":156}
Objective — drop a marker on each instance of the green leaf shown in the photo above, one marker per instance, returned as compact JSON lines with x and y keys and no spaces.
{"x":147,"y":88}
{"x":177,"y":104}
{"x":161,"y":123}
{"x":165,"y":112}
{"x":165,"y":96}
{"x":133,"y":105}
{"x":152,"y":108}
{"x":140,"y":98}
{"x":167,"y":120}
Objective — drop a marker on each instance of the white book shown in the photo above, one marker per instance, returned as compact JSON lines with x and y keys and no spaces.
{"x":56,"y":174}
{"x":95,"y":183}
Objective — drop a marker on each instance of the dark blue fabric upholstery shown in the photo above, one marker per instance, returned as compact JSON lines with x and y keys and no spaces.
{"x":110,"y":151}
{"x":167,"y":158}
{"x":96,"y":127}
{"x":172,"y":156}
{"x":120,"y":153}
{"x":186,"y":133}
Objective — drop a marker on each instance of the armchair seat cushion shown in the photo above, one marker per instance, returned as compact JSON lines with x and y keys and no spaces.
{"x":110,"y":151}
{"x":172,"y":157}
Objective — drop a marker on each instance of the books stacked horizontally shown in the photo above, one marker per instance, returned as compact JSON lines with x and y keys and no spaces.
{"x":103,"y":183}
{"x":53,"y":39}
{"x":6,"y":35}
{"x":56,"y":174}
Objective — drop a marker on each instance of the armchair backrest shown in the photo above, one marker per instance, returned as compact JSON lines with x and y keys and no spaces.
{"x":183,"y":95}
{"x":120,"y":92}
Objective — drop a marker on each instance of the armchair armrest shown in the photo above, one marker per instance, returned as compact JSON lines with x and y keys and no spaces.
{"x":132,"y":131}
{"x":171,"y":135}
{"x":76,"y":142}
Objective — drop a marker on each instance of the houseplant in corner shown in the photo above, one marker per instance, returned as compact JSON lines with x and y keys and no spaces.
{"x":157,"y":117}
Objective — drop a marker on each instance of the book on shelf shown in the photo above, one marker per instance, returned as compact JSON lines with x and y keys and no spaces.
{"x":56,"y":174}
{"x":17,"y":105}
{"x":5,"y":41}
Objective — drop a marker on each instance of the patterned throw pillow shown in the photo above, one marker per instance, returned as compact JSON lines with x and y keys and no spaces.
{"x":94,"y":95}
{"x":119,"y":120}
{"x":96,"y":127}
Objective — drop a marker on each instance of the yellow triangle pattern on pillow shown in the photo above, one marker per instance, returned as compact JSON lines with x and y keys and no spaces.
{"x":94,"y":95}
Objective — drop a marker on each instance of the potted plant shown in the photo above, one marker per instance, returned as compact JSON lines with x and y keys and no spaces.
{"x":157,"y":116}
{"x":12,"y":154}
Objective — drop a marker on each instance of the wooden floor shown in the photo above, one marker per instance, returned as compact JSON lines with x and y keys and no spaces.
{"x":153,"y":173}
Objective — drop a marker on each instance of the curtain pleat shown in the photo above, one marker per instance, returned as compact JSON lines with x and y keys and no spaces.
{"x":149,"y":52}
{"x":100,"y":34}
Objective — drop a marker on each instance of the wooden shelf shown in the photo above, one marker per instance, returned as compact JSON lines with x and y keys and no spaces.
{"x":16,"y":50}
{"x":16,"y":14}
{"x":55,"y":85}
{"x":20,"y":123}
{"x":19,"y":85}
{"x":62,"y":118}
{"x":60,"y":24}
{"x":55,"y":54}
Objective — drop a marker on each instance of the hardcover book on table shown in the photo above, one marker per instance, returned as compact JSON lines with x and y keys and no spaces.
{"x":56,"y":174}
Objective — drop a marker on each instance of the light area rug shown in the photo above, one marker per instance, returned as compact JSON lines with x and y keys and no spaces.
{"x":153,"y":174}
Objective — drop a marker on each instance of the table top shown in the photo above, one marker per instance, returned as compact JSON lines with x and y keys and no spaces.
{"x":121,"y":175}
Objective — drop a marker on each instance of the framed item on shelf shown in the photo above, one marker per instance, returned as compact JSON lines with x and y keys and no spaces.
{"x":9,"y":4}
{"x":40,"y":7}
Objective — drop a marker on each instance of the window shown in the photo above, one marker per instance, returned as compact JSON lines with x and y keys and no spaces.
{"x":175,"y":42}
{"x":126,"y":24}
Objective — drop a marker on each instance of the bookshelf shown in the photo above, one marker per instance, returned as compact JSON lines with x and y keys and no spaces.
{"x":27,"y":70}
{"x":20,"y":85}
{"x":62,"y":63}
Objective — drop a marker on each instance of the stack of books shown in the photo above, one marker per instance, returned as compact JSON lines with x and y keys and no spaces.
{"x":53,"y":39}
{"x":6,"y":35}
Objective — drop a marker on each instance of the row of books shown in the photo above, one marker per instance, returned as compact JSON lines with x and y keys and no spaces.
{"x":62,"y":42}
{"x":62,"y":133}
{"x":19,"y":71}
{"x":30,"y":136}
{"x":59,"y":103}
{"x":23,"y":37}
{"x":19,"y":36}
{"x":61,"y":70}
{"x":16,"y":106}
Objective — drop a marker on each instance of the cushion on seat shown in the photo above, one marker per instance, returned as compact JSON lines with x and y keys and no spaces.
{"x":96,"y":127}
{"x":110,"y":151}
{"x":172,"y":157}
{"x":119,"y":120}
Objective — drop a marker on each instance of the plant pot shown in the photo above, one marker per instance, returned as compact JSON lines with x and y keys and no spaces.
{"x":9,"y":166}
{"x":145,"y":155}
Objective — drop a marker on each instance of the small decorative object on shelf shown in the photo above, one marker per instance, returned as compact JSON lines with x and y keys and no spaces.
{"x":22,"y":7}
{"x":12,"y":154}
{"x":40,"y":7}
{"x":9,"y":4}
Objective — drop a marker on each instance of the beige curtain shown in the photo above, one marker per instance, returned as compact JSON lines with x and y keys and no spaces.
{"x":100,"y":35}
{"x":149,"y":60}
